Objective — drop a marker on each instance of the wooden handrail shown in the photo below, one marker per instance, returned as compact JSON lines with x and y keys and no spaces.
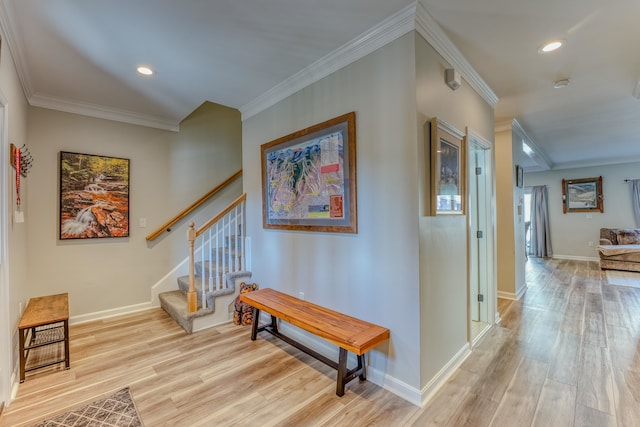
{"x":218,"y":217}
{"x":167,"y":226}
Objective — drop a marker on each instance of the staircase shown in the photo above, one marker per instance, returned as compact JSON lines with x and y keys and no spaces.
{"x":221,"y":265}
{"x":175,"y":303}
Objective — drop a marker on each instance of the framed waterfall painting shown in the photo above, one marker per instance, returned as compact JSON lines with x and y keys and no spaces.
{"x":94,"y":196}
{"x":309,"y":178}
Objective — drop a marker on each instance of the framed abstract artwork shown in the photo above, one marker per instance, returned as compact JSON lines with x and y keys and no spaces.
{"x":309,"y":178}
{"x":94,"y":196}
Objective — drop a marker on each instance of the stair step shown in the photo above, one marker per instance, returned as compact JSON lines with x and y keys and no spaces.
{"x":183,"y":286}
{"x":227,"y":264}
{"x":176,"y":306}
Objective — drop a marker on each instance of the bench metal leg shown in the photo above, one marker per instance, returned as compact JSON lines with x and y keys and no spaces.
{"x":344,"y":375}
{"x":363,"y":371}
{"x":342,"y":372}
{"x":254,"y":324}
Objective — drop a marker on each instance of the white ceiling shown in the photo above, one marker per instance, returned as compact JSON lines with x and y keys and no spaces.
{"x":80,"y":56}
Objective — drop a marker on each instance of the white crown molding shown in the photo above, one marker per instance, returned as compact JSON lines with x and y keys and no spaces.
{"x":547,"y":163}
{"x":386,"y":31}
{"x":541,"y":158}
{"x":428,"y":28}
{"x":101,"y":112}
{"x":11,"y":40}
{"x":412,"y":17}
{"x":596,"y":162}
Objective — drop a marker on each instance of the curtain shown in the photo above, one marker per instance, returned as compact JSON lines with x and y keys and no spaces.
{"x":635,"y":199}
{"x":540,"y":241}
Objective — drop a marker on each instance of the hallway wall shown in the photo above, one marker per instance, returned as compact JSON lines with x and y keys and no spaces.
{"x":13,"y":273}
{"x":443,"y":239}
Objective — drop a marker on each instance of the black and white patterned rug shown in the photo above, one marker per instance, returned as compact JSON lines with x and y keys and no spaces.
{"x":117,"y":410}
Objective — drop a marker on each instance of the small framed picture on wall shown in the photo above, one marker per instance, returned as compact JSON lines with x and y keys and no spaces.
{"x":519,"y":176}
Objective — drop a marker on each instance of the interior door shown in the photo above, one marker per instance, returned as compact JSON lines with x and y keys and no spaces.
{"x":479,"y":227}
{"x":477,"y":220}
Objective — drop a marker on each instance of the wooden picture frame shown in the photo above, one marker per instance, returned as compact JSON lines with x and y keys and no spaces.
{"x":448,"y":178}
{"x":309,"y":178}
{"x":582,"y":195}
{"x":94,"y":196}
{"x":519,"y":176}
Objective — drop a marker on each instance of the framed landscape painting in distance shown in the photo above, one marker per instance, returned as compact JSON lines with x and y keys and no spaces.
{"x":582,"y":195}
{"x":447,"y":169}
{"x":94,"y":196}
{"x":309,"y":178}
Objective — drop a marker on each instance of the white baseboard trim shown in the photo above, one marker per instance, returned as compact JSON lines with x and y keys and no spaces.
{"x":83,"y":318}
{"x":445,"y":373}
{"x":481,"y":335}
{"x":15,"y":385}
{"x":576,"y":258}
{"x":507,"y":295}
{"x":497,"y":318}
{"x":511,"y":295}
{"x":392,"y":384}
{"x":99,"y":315}
{"x":521,"y":292}
{"x":169,"y":282}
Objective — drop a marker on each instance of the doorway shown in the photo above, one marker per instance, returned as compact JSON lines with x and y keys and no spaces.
{"x":481,"y":290}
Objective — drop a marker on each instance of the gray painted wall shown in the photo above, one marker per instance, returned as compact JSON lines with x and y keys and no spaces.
{"x":572,"y":232}
{"x":13,"y":273}
{"x":443,"y":239}
{"x":402,"y":270}
{"x":168,"y":172}
{"x":372,"y":275}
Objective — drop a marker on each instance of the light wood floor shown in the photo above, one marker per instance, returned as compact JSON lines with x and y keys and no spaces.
{"x":566,"y":355}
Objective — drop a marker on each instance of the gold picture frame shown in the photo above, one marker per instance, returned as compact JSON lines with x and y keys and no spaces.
{"x":448,"y":178}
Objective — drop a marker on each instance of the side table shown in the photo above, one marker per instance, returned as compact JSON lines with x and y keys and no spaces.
{"x":44,"y":322}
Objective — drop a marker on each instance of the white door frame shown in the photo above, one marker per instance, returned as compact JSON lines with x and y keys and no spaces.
{"x":488,"y":228}
{"x":5,"y":206}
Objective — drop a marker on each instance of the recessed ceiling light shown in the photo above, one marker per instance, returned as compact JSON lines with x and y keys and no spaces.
{"x":561,"y":83}
{"x":551,"y":46}
{"x":144,"y":70}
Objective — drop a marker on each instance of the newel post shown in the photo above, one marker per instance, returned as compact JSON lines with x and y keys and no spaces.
{"x":192,"y":300}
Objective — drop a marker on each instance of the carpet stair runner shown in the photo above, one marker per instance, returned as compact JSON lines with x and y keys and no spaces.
{"x":175,"y":302}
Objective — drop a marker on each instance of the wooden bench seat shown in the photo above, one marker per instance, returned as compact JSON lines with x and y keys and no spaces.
{"x":348,"y":333}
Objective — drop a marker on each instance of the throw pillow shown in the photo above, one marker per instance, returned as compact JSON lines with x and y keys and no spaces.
{"x":628,"y":236}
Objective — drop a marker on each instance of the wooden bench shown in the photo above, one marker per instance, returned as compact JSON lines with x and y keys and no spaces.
{"x":44,"y":322}
{"x":348,"y":333}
